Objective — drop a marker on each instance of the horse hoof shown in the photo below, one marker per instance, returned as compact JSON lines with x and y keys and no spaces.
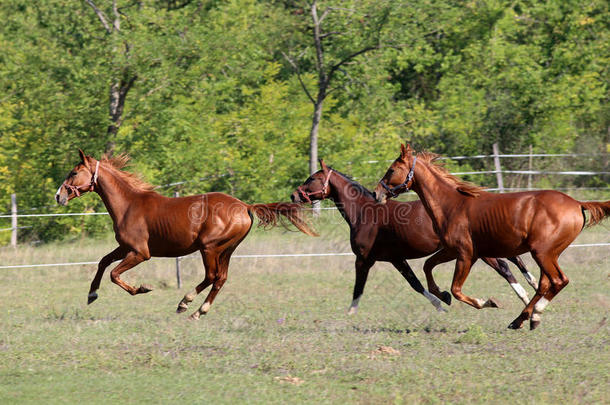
{"x":181,"y":308}
{"x":492,"y":303}
{"x":534,"y":324}
{"x":446,"y":297}
{"x":91,"y":297}
{"x":515,"y":325}
{"x":144,"y":288}
{"x":194,"y":316}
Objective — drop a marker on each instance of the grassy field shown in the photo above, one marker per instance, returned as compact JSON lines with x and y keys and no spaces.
{"x":279,"y":333}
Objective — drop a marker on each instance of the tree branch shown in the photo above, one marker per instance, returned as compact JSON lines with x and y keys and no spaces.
{"x":296,"y":69}
{"x":100,"y":15}
{"x":350,"y":57}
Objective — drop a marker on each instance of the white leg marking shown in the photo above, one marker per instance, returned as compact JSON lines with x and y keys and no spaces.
{"x":354,"y":307}
{"x":520,"y":292}
{"x":531,"y":279}
{"x":435,"y":301}
{"x":480,"y":302}
{"x":541,"y":304}
{"x":205,"y":308}
{"x":536,"y":317}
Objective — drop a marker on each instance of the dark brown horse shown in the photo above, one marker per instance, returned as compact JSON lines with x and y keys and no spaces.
{"x":148,"y":224}
{"x":393,"y":232}
{"x":473,"y":223}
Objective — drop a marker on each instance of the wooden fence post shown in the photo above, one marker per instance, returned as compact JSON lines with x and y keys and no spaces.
{"x":498,"y":167}
{"x":178,"y":280}
{"x":14,"y":220}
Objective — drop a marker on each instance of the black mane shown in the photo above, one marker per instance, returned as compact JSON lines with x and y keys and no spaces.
{"x":354,"y":183}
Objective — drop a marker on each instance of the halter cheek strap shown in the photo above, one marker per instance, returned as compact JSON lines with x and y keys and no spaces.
{"x":77,"y":189}
{"x":324,"y":190}
{"x":395,"y":191}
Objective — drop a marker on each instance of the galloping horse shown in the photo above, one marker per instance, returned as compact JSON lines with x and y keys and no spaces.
{"x":148,"y":224}
{"x":391,"y":233}
{"x":473,"y":223}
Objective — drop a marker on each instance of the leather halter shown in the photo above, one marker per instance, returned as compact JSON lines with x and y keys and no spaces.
{"x":323,"y":191}
{"x":396,"y":190}
{"x":77,"y":189}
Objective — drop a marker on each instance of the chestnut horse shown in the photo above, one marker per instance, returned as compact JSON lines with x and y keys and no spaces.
{"x":391,"y":233}
{"x":473,"y":223}
{"x":148,"y":224}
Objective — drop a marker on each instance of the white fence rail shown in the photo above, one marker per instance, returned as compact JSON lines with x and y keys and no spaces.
{"x":255,"y":256}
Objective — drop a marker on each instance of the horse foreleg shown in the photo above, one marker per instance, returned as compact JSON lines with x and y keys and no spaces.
{"x":462,"y":269}
{"x":131,"y":260}
{"x":502,"y":269}
{"x":362,"y":272}
{"x":117,"y":254}
{"x":406,"y":271}
{"x":528,"y":276}
{"x":442,"y":256}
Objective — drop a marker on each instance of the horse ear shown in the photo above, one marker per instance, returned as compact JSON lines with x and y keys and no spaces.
{"x":83,"y":157}
{"x":409,"y":149}
{"x":323,"y":165}
{"x":403,"y":150}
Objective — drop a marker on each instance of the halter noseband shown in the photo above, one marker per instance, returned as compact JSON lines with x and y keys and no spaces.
{"x":77,"y":189}
{"x":323,"y":191}
{"x":395,"y":191}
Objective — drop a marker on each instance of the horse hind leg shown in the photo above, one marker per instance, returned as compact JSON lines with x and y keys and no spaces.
{"x":222,"y":266}
{"x":528,"y":276}
{"x":502,"y":269}
{"x":210,"y":265}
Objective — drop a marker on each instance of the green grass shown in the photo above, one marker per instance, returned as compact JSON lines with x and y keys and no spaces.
{"x":281,"y":318}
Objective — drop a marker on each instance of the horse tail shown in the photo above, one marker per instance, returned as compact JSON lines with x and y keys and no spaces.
{"x":269,"y":215}
{"x":598,"y":211}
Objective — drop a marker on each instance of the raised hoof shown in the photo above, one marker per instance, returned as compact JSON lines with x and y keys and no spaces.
{"x":446,"y":297}
{"x":144,"y":288}
{"x":534,"y":324}
{"x":515,"y":324}
{"x":182,"y":307}
{"x":492,"y":303}
{"x":91,"y":297}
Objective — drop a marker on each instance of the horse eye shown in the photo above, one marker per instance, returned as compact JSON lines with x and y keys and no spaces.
{"x":72,"y":174}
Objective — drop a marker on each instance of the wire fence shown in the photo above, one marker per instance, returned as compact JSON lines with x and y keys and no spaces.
{"x":253,"y":256}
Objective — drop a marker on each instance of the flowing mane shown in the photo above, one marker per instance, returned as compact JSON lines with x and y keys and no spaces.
{"x":120,"y":161}
{"x":462,"y":186}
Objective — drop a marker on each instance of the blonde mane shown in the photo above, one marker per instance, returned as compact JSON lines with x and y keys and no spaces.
{"x":120,"y":161}
{"x":461,"y":186}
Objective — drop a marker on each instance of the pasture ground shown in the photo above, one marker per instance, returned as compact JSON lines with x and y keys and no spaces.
{"x":279,"y":333}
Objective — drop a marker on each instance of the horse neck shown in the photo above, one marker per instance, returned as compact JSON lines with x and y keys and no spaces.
{"x":347,"y":197}
{"x":115,"y":194}
{"x":438,"y":196}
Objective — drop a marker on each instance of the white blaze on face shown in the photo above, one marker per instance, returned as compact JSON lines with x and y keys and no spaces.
{"x":58,"y":191}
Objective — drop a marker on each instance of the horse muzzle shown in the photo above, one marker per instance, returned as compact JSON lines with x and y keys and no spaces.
{"x":62,"y":196}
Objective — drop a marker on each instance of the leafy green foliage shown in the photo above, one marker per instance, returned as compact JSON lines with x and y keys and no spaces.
{"x":216,"y":105}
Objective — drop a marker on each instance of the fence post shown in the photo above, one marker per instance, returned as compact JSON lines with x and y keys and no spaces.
{"x":529,"y":176}
{"x":498,"y":167}
{"x":178,"y":280}
{"x":14,"y":220}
